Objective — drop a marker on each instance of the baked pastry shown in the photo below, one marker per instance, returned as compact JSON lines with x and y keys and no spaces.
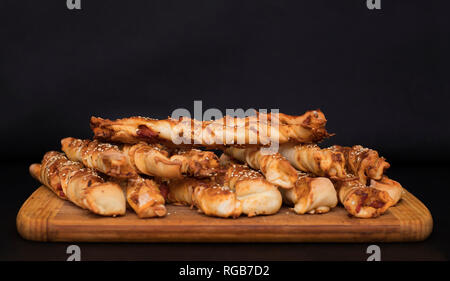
{"x":336,"y":162}
{"x":236,"y":189}
{"x":52,"y":182}
{"x":217,"y":201}
{"x":362,"y":162}
{"x":144,"y":197}
{"x":392,"y":187}
{"x":274,"y":167}
{"x":251,"y":177}
{"x":82,"y":186}
{"x":311,"y":195}
{"x":258,"y":196}
{"x":196,"y":163}
{"x":210,"y":198}
{"x":261,"y":129}
{"x":103,"y":157}
{"x":362,"y":201}
{"x":312,"y":159}
{"x":155,"y":160}
{"x":180,"y":191}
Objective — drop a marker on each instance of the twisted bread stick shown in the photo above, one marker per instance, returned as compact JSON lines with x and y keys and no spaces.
{"x":274,"y":167}
{"x":152,"y":160}
{"x":262,"y":129}
{"x":312,"y":159}
{"x":103,"y":157}
{"x":336,"y":162}
{"x":362,"y":201}
{"x":144,"y":196}
{"x":82,"y":186}
{"x":393,"y":188}
{"x":196,"y":163}
{"x":362,"y":162}
{"x":217,"y":201}
{"x":129,"y":160}
{"x":235,"y":190}
{"x":155,"y":160}
{"x":208,"y":197}
{"x":258,"y":196}
{"x":311,"y":195}
{"x":49,"y":177}
{"x":181,"y":190}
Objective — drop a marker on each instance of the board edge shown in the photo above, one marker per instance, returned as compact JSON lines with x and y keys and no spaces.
{"x":33,"y":225}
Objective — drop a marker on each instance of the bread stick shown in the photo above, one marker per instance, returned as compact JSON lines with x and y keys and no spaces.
{"x":181,"y":190}
{"x":217,"y":201}
{"x":274,"y":167}
{"x":155,"y":160}
{"x":362,"y":162}
{"x":236,"y":189}
{"x":82,"y":186}
{"x":210,"y":198}
{"x":311,"y":195}
{"x":144,"y":197}
{"x":362,"y":201}
{"x":53,"y":183}
{"x":103,"y":157}
{"x":196,"y":163}
{"x":393,"y":188}
{"x":336,"y":162}
{"x":279,"y":128}
{"x":312,"y":159}
{"x":258,"y":196}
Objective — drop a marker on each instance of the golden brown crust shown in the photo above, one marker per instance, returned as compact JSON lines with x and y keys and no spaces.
{"x":196,"y":163}
{"x":210,"y":198}
{"x":103,"y":157}
{"x":362,"y":201}
{"x":392,"y":187}
{"x":155,"y":160}
{"x":231,"y":174}
{"x":274,"y":167}
{"x":49,"y":178}
{"x":144,"y":197}
{"x":336,"y":162}
{"x":258,"y":196}
{"x":312,"y":159}
{"x":311,"y":195}
{"x":82,"y":186}
{"x":309,"y":127}
{"x":236,"y":189}
{"x":181,"y":190}
{"x":362,"y":162}
{"x":217,"y":201}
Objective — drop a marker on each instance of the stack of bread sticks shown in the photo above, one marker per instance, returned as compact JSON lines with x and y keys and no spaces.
{"x":144,"y":164}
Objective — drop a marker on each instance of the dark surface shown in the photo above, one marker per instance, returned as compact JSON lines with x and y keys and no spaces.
{"x":381,"y":78}
{"x":416,"y":178}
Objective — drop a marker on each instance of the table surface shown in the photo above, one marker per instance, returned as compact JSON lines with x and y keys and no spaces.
{"x":18,"y":185}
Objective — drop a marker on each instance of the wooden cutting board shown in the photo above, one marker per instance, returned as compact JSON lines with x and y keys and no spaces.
{"x":45,"y":217}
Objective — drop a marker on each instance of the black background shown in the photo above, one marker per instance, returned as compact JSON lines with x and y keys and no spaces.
{"x":380,"y":77}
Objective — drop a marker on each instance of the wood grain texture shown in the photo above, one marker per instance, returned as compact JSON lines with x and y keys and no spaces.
{"x":44,"y":217}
